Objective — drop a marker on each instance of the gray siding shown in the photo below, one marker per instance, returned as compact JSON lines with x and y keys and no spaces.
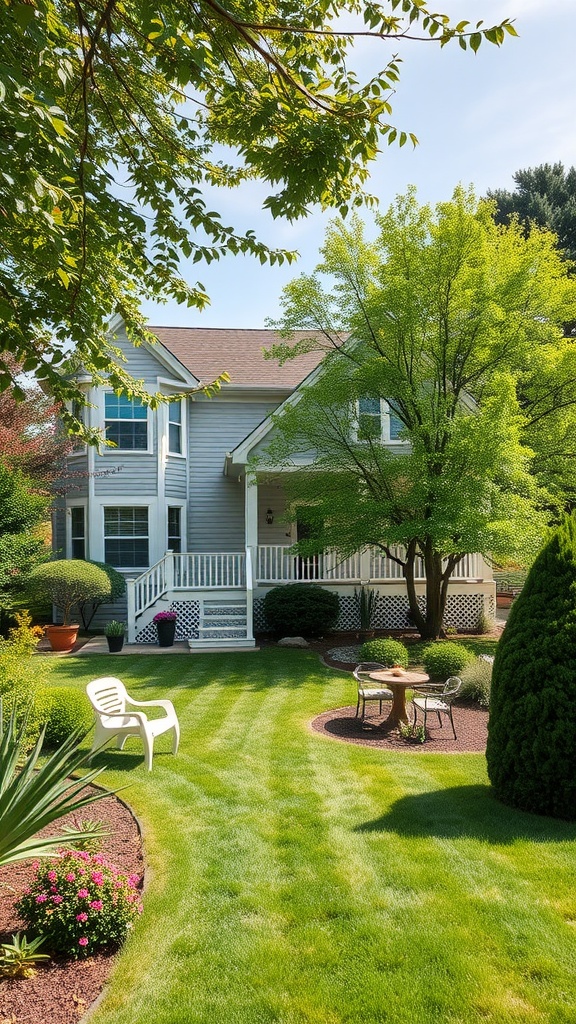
{"x":59,"y":527}
{"x":131,"y":474}
{"x":216,"y":508}
{"x":76,"y":482}
{"x":175,"y":482}
{"x":141,"y":363}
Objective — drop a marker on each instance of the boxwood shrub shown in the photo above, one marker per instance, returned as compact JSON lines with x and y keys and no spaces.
{"x":443,"y":658}
{"x":387,"y":652}
{"x":532,"y":724}
{"x":301,"y":609}
{"x":66,"y":710}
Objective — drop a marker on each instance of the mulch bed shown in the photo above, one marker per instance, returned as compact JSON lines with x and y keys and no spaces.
{"x":471,"y":729}
{"x":471,"y":722}
{"x":62,"y":991}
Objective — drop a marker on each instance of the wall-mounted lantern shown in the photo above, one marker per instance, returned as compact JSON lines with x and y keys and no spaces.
{"x":269,"y":516}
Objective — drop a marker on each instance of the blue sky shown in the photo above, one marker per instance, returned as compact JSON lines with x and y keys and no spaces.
{"x":479,"y":118}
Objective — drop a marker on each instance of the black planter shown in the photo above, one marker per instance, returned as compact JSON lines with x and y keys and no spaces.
{"x":115,"y":644}
{"x":166,"y":629}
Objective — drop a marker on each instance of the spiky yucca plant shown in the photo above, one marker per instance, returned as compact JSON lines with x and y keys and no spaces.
{"x":32,"y":798}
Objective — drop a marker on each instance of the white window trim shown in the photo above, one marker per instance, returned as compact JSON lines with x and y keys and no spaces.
{"x":182,"y":505}
{"x":183,"y":430}
{"x":106,"y":450}
{"x":384,"y":426}
{"x":111,"y":501}
{"x":69,"y":506}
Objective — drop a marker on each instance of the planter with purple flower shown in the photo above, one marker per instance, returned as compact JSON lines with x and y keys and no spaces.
{"x":166,"y":627}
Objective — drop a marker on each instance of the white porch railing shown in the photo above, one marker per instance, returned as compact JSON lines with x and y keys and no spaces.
{"x":209,"y":570}
{"x":383,"y":568}
{"x":278,"y":564}
{"x":268,"y":564}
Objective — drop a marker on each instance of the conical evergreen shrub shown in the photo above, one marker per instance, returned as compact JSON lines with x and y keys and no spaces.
{"x":531,"y":749}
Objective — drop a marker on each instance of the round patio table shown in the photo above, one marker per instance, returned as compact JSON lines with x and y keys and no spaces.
{"x":398,"y":680}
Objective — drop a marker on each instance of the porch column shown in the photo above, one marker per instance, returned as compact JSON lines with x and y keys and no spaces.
{"x":131,"y":601}
{"x":251,"y":510}
{"x":365,"y":569}
{"x":251,"y":535}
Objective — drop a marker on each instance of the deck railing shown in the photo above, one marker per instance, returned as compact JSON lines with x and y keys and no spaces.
{"x":270,"y":564}
{"x":209,"y":570}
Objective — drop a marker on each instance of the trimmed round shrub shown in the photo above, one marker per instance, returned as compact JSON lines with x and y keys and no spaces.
{"x":301,"y":609}
{"x":387,"y":652}
{"x":532,"y":724}
{"x":66,"y":710}
{"x":80,"y":903}
{"x":69,"y":582}
{"x":443,"y":658}
{"x":89,"y":607}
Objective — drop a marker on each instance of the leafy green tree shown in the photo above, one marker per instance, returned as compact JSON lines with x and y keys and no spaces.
{"x":545,"y":196}
{"x":532,"y":726}
{"x":22,"y":511}
{"x":116,"y":116}
{"x":412,"y":437}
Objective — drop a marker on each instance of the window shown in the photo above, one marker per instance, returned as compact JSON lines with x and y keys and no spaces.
{"x":126,"y":537}
{"x":175,"y":428}
{"x":126,"y":422}
{"x":369,"y":419}
{"x":77,"y":532}
{"x":174,"y":528}
{"x":376,"y":421}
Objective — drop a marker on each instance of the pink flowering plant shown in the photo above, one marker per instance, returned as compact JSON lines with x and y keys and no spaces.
{"x":80,"y":903}
{"x":165,"y":617}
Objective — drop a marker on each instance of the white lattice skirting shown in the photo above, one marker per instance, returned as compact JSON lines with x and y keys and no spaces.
{"x":391,"y":612}
{"x":187,"y":623}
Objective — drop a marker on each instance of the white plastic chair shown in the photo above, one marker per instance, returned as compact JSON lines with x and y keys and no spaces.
{"x":114,"y":718}
{"x":436,"y":698}
{"x":368,"y":688}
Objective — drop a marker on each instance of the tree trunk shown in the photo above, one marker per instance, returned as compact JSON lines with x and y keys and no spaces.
{"x":408,"y":570}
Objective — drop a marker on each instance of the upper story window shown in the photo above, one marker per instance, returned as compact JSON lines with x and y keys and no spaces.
{"x":175,"y":428}
{"x":126,"y":422}
{"x":376,"y":421}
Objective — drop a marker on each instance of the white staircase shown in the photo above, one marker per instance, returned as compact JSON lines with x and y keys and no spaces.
{"x":223,"y":625}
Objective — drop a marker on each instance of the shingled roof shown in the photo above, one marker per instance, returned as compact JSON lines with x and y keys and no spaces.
{"x":209,"y":351}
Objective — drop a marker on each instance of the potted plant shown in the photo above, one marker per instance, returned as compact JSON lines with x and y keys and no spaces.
{"x":114,"y":632}
{"x":166,"y":628}
{"x":66,"y":583}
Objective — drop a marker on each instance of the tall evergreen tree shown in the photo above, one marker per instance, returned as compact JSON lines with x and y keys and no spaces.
{"x":546,"y":196}
{"x":531,"y":749}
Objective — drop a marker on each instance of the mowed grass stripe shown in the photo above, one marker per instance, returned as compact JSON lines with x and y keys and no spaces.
{"x":301,"y":881}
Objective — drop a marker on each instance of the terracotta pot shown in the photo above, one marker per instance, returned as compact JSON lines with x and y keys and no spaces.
{"x":504,"y":600}
{"x":62,"y":638}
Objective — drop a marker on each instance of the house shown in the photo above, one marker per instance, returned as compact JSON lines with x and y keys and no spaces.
{"x":173,"y":507}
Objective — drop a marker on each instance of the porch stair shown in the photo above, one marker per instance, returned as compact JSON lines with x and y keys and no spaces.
{"x":223,"y":626}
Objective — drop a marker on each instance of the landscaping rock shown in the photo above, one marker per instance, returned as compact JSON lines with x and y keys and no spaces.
{"x":293,"y":641}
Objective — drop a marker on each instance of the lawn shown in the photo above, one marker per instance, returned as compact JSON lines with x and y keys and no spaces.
{"x":296,"y":879}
